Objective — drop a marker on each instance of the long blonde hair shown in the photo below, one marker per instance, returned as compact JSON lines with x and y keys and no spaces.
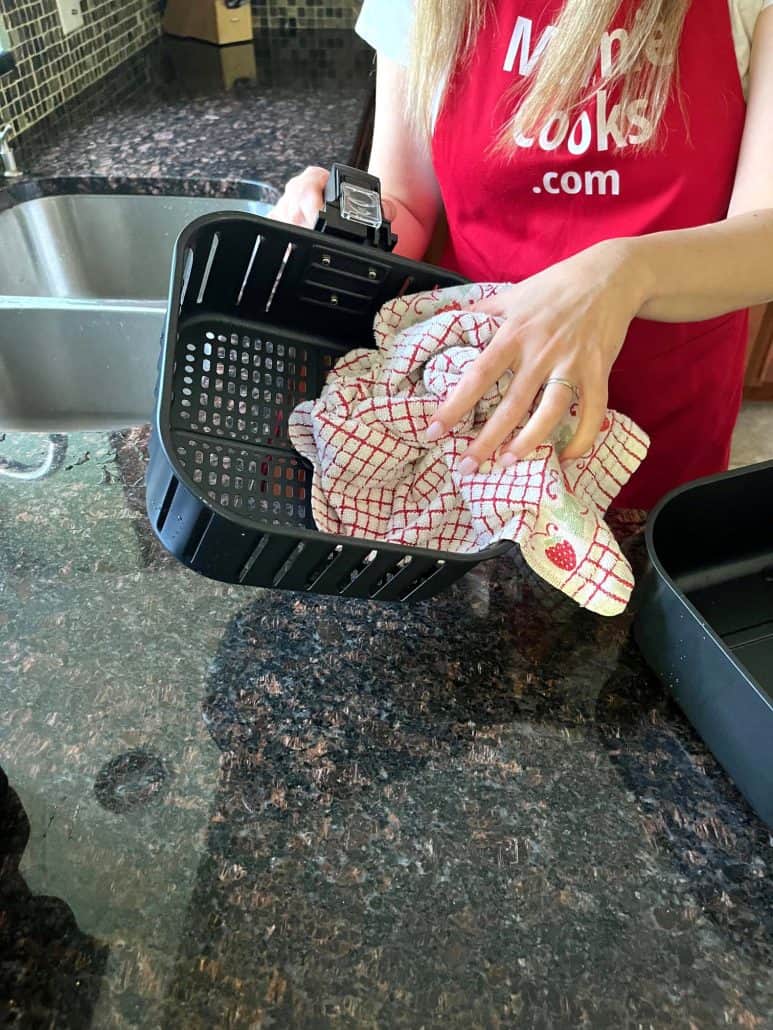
{"x":445,"y":30}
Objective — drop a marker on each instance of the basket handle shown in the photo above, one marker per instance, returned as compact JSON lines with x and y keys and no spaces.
{"x":352,"y":209}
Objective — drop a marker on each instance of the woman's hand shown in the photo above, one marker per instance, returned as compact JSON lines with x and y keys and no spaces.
{"x":304,"y":198}
{"x":566,"y":323}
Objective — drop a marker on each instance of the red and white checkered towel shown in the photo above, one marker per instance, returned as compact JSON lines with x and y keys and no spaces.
{"x":375,"y":476}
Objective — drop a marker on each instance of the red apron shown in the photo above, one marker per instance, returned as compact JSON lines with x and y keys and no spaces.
{"x":586,"y":178}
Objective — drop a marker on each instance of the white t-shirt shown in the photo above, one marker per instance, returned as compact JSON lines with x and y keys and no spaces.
{"x":386,"y":26}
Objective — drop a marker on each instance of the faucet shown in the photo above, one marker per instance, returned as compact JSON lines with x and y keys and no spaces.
{"x":8,"y":164}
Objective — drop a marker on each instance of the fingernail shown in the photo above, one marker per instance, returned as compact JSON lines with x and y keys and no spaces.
{"x":434,"y":432}
{"x":467,"y":466}
{"x":507,"y":460}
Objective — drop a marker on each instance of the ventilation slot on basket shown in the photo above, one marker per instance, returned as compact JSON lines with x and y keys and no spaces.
{"x":404,"y":563}
{"x":364,"y":563}
{"x":376,"y":568}
{"x":166,"y":504}
{"x":430,"y":572}
{"x":243,"y":387}
{"x":259,"y":549}
{"x":288,"y":565}
{"x":400,"y":581}
{"x":250,"y":266}
{"x":339,"y":569}
{"x":414,"y":590}
{"x":208,"y":267}
{"x":304,"y":564}
{"x":324,"y":568}
{"x":405,"y":287}
{"x":279,"y":274}
{"x":263,"y":486}
{"x":187,"y":269}
{"x":197,"y":534}
{"x":398,"y":578}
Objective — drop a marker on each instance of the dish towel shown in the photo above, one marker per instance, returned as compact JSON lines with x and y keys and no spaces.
{"x":376,"y":477}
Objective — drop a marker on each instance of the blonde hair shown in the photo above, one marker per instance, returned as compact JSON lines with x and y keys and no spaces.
{"x":445,"y":30}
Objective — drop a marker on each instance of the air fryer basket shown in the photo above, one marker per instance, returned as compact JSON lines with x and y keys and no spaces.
{"x":705,"y":619}
{"x":259,"y":312}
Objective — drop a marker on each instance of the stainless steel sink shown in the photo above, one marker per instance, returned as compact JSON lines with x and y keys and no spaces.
{"x":83,"y":285}
{"x":81,"y":365}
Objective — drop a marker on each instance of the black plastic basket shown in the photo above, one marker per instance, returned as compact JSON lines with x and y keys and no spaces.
{"x":259,"y":312}
{"x":705,"y":620}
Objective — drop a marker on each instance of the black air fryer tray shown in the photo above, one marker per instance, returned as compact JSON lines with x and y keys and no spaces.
{"x":705,"y":622}
{"x":259,"y":312}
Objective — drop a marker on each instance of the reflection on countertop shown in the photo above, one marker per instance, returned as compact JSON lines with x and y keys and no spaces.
{"x":181,"y":108}
{"x":266,"y":809}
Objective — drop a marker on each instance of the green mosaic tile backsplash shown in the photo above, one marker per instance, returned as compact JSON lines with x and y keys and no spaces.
{"x":318,"y":14}
{"x":52,"y":67}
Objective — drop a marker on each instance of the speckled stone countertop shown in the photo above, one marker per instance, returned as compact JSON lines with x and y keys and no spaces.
{"x":187,"y":110}
{"x":248,"y":809}
{"x":254,"y":809}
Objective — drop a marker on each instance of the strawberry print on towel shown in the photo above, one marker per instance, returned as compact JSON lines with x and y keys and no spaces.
{"x":375,"y":477}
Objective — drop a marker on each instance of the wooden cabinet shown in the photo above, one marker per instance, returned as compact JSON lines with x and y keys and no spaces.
{"x":759,"y":364}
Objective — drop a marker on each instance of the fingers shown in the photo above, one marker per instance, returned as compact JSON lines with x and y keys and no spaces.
{"x":508,"y":415}
{"x":490,"y":305}
{"x":303,"y":198}
{"x":475,"y":382}
{"x":548,"y":414}
{"x":288,"y":210}
{"x":593,"y":408}
{"x":389,"y":209}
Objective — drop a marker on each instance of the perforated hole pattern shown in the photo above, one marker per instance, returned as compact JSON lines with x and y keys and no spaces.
{"x":268,"y":487}
{"x":241,"y":386}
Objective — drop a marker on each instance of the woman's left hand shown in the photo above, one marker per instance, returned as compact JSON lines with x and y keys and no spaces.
{"x":566,"y":323}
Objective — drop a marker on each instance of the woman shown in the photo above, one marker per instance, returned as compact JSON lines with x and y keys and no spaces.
{"x":615,"y":162}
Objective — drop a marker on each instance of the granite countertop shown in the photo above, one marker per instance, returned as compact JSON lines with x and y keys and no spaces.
{"x":239,"y":808}
{"x":183,"y":110}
